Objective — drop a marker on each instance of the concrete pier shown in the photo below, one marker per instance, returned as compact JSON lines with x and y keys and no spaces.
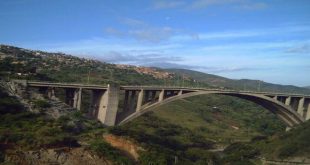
{"x":300,"y":109}
{"x":161,"y":95}
{"x":108,"y":105}
{"x":308,"y":112}
{"x":288,"y":101}
{"x":77,"y":100}
{"x":140,"y":100}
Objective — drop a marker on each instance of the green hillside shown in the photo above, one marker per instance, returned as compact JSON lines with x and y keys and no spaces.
{"x":243,"y":84}
{"x":287,"y":144}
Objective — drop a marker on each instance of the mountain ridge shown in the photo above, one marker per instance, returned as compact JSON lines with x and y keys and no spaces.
{"x":120,"y":71}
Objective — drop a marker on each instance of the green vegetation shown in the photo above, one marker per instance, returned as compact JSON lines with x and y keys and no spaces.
{"x":165,"y":142}
{"x":9,"y":104}
{"x":25,"y":130}
{"x":287,"y":144}
{"x":240,"y":153}
{"x":41,"y":104}
{"x":223,"y":119}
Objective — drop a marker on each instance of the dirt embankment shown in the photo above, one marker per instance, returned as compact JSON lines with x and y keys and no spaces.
{"x":125,"y":145}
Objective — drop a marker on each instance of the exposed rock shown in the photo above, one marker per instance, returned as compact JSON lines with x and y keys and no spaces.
{"x":63,"y":156}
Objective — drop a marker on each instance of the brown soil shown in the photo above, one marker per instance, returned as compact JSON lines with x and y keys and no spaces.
{"x":125,"y":145}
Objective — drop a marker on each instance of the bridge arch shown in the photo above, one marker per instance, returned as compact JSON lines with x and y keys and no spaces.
{"x":282,"y":111}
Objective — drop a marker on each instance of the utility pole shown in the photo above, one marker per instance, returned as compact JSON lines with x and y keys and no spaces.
{"x":88,"y":76}
{"x":183,"y":80}
{"x":259,"y":83}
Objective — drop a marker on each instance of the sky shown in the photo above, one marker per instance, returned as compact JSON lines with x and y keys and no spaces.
{"x":266,"y":40}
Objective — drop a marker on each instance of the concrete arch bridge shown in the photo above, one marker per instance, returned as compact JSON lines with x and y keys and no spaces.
{"x":292,"y":109}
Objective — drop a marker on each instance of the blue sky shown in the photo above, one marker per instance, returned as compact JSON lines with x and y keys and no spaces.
{"x":265,"y":40}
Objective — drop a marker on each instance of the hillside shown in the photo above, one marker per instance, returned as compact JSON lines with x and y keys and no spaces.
{"x":290,"y":144}
{"x":243,"y":84}
{"x":19,"y":63}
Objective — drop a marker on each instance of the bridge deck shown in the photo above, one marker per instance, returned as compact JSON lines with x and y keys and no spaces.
{"x":156,"y":88}
{"x":65,"y":85}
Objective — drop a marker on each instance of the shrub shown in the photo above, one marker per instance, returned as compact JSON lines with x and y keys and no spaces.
{"x":10,"y":105}
{"x":239,"y":152}
{"x":41,"y":104}
{"x":1,"y":155}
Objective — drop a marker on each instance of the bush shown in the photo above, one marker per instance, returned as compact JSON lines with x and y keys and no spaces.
{"x":288,"y":150}
{"x":41,"y":104}
{"x":10,"y":105}
{"x":239,"y":152}
{"x":1,"y":155}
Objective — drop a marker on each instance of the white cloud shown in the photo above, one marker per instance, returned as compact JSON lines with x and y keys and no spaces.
{"x":304,"y":48}
{"x":202,"y":4}
{"x":167,"y":4}
{"x":142,"y":31}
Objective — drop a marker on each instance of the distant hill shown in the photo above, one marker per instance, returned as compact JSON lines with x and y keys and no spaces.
{"x":243,"y":84}
{"x":38,"y":65}
{"x":308,"y":87}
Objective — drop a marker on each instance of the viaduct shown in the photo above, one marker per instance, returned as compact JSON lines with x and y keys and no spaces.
{"x":292,"y":109}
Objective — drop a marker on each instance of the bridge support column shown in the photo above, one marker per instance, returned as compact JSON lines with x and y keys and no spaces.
{"x":180,"y":93}
{"x":108,"y":105}
{"x":161,"y":96}
{"x":77,"y":99}
{"x":51,"y":93}
{"x":288,"y":101}
{"x":300,"y":109}
{"x":308,"y":112}
{"x":140,"y":100}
